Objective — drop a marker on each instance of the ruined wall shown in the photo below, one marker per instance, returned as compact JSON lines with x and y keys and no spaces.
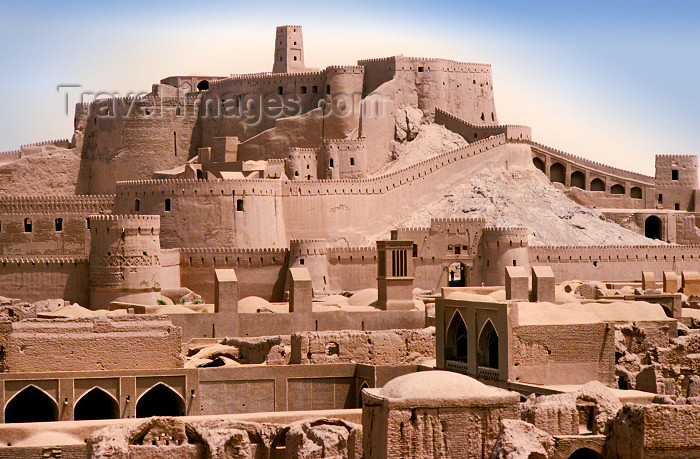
{"x":93,"y":344}
{"x":50,"y":171}
{"x":563,"y":354}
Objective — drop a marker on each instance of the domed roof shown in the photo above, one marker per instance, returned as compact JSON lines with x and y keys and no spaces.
{"x":438,"y":385}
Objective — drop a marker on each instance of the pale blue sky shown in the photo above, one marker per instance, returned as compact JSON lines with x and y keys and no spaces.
{"x":614,"y":81}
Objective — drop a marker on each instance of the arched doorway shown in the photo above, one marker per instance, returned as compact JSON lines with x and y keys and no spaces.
{"x":160,"y":400}
{"x":652,"y":227}
{"x":538,"y":163}
{"x":203,"y":85}
{"x":585,"y":453}
{"x":487,"y":347}
{"x":578,"y":180}
{"x":31,"y":404}
{"x":457,"y":346}
{"x":456,"y":275}
{"x":557,"y":173}
{"x":96,"y":404}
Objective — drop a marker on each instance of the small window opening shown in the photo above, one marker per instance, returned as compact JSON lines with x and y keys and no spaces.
{"x":458,"y":250}
{"x":296,"y":173}
{"x":280,"y":90}
{"x":137,"y":205}
{"x":677,"y":206}
{"x":420,"y":69}
{"x":59,"y":224}
{"x":352,"y":161}
{"x":301,"y":261}
{"x":328,"y":89}
{"x":482,"y":117}
{"x":303,"y":89}
{"x":239,"y":205}
{"x":674,"y":174}
{"x":87,"y":223}
{"x":515,"y":263}
{"x":295,"y":58}
{"x":27,"y":225}
{"x":661,"y":198}
{"x":330,"y":162}
{"x":314,"y":89}
{"x":167,"y":205}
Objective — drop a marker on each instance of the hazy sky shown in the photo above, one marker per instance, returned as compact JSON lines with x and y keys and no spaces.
{"x":614,"y":81}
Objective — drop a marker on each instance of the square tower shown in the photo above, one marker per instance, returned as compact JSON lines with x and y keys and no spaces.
{"x":395,"y":275}
{"x":289,"y":50}
{"x":676,"y":181}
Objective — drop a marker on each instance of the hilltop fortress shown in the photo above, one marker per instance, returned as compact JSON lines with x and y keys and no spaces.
{"x":270,"y":171}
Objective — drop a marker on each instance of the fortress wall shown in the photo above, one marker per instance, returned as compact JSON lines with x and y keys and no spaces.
{"x":638,"y":190}
{"x":206,"y":213}
{"x":308,"y":90}
{"x":73,"y":239}
{"x":34,"y":279}
{"x":9,"y":156}
{"x":260,"y":272}
{"x":604,"y":200}
{"x":614,"y":263}
{"x":133,"y":147}
{"x":352,"y":268}
{"x":461,"y":88}
{"x":352,"y":211}
{"x":472,"y":132}
{"x":202,"y":212}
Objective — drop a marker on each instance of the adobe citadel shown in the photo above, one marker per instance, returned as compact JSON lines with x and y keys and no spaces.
{"x":237,"y":257}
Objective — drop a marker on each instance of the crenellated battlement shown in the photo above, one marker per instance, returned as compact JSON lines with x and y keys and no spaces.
{"x":234,"y":257}
{"x":61,"y":143}
{"x":42,"y":260}
{"x":125,"y":218}
{"x":308,"y":247}
{"x":79,"y":204}
{"x":614,"y":253}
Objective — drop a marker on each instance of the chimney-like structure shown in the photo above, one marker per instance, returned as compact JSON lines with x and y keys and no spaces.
{"x":395,"y":275}
{"x":289,"y":50}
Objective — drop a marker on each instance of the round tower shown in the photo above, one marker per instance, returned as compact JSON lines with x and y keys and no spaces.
{"x":124,"y":259}
{"x":500,"y":247}
{"x":313,"y":255}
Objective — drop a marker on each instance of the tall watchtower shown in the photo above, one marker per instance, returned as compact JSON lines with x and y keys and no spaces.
{"x":289,"y":50}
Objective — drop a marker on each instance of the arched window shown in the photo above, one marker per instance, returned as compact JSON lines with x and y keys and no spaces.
{"x":330,"y":162}
{"x":27,"y":225}
{"x":160,"y":400}
{"x":557,"y":172}
{"x":617,"y":189}
{"x":31,"y":405}
{"x":456,"y":344}
{"x":487,"y":347}
{"x":636,"y":192}
{"x":59,"y":224}
{"x":96,"y":404}
{"x":597,"y":185}
{"x":652,"y":227}
{"x":578,"y":180}
{"x":538,"y":163}
{"x":203,"y":85}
